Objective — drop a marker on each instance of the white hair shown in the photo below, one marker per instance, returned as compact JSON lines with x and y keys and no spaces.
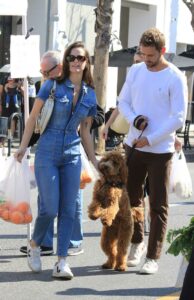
{"x":53,"y":56}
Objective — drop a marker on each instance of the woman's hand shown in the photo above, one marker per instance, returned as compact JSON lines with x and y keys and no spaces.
{"x":105,"y":132}
{"x":19,"y":154}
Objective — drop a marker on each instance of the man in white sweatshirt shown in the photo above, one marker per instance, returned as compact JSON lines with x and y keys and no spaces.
{"x":153,"y":100}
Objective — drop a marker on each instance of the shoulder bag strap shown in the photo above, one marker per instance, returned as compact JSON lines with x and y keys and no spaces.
{"x":52,"y":92}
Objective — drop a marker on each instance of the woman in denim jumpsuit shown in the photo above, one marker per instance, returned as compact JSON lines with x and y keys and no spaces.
{"x":57,"y":159}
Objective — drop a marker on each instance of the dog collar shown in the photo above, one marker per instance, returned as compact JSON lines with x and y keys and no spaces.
{"x":116,"y":184}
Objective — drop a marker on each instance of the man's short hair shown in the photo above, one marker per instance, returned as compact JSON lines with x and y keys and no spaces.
{"x":53,"y":56}
{"x":153,"y":38}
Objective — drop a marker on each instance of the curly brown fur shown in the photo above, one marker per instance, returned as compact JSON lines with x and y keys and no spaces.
{"x":111,"y":204}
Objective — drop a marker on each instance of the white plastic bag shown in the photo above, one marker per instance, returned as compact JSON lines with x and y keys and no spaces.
{"x":15,"y":193}
{"x":180,"y":178}
{"x":87,"y":174}
{"x":2,"y":173}
{"x":29,"y":169}
{"x":181,"y":273}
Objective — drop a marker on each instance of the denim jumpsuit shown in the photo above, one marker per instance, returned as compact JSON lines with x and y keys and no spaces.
{"x":58,"y":162}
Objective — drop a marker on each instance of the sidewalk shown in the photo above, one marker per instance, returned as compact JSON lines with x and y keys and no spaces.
{"x":90,"y":281}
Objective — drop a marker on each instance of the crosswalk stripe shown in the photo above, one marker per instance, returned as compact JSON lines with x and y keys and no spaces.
{"x":174,"y":296}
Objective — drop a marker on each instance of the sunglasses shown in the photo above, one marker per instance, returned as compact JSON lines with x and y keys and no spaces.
{"x":46,"y":73}
{"x":71,"y":58}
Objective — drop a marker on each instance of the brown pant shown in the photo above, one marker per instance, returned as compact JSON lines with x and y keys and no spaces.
{"x":157,"y":167}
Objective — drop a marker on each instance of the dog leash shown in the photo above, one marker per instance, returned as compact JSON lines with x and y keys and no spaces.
{"x":134,"y":145}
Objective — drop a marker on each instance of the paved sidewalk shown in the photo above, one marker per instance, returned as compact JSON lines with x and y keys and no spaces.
{"x":90,"y":281}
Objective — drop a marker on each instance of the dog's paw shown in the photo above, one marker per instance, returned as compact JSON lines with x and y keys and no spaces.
{"x":107,"y":266}
{"x":121,"y":268}
{"x":93,"y":217}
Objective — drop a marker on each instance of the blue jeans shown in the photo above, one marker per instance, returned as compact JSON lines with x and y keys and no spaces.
{"x":58,"y":182}
{"x":77,"y":234}
{"x":8,"y":98}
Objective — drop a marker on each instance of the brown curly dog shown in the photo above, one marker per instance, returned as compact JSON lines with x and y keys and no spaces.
{"x":111,"y":204}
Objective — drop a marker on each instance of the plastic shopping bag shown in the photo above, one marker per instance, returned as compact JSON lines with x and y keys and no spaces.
{"x":180,"y":178}
{"x":15,"y":193}
{"x":2,"y":173}
{"x":29,"y":169}
{"x":181,"y":273}
{"x":87,"y":174}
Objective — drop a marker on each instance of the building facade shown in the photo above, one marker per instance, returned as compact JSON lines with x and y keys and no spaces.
{"x":60,"y":22}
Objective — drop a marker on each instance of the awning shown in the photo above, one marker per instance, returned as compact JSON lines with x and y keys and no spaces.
{"x":124,"y":58}
{"x":183,"y":63}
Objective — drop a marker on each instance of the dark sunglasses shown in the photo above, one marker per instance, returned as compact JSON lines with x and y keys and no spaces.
{"x":71,"y":58}
{"x":46,"y":73}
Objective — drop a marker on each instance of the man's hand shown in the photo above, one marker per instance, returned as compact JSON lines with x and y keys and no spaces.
{"x":177,"y":144}
{"x":140,"y":143}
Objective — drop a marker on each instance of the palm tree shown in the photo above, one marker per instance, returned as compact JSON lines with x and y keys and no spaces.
{"x":103,"y":28}
{"x":190,"y":5}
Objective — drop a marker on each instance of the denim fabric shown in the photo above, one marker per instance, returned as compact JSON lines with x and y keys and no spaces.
{"x":77,"y":234}
{"x":58,"y":165}
{"x":48,"y":238}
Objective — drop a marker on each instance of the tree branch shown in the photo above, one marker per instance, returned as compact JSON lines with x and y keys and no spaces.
{"x":190,"y":5}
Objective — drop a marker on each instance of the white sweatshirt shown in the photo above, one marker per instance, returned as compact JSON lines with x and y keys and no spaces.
{"x":162,"y":97}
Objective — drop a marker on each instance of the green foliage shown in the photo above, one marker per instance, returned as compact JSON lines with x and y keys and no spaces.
{"x":181,"y":240}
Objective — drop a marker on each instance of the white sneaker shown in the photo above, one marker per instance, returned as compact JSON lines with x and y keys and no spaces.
{"x":75,"y":251}
{"x":62,"y":270}
{"x":150,"y":266}
{"x":135,"y":254}
{"x":33,"y":257}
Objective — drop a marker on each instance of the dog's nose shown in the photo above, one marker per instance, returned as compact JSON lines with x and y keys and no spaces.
{"x":103,"y":222}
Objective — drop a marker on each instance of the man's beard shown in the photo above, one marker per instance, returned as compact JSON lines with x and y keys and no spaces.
{"x":151,"y":65}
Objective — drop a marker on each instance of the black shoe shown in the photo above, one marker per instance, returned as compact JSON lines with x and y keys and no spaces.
{"x":43,"y":250}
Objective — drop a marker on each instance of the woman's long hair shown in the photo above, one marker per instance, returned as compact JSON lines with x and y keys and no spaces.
{"x":87,"y":75}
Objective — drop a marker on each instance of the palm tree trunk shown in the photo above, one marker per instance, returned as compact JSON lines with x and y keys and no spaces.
{"x":103,"y":27}
{"x":190,"y":5}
